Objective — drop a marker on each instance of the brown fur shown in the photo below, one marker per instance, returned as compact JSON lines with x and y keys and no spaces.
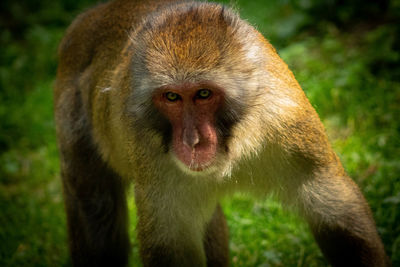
{"x":112,"y":58}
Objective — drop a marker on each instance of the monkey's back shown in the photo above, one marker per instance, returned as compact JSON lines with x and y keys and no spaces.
{"x":98,"y":35}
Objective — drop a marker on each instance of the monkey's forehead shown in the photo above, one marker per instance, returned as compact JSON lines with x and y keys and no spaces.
{"x":196,"y":41}
{"x":192,"y":35}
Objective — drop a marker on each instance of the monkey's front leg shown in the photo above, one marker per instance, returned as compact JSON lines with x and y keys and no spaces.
{"x":341,"y":220}
{"x":96,"y":209}
{"x":216,"y":243}
{"x":171,"y":225}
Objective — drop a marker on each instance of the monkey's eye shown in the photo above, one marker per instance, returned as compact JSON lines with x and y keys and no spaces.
{"x":204,"y":93}
{"x":172,"y":96}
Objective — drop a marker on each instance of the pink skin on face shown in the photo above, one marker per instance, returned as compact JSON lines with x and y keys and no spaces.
{"x":194,"y":137}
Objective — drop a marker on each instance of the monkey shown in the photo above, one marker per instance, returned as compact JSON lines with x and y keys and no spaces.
{"x":190,"y":103}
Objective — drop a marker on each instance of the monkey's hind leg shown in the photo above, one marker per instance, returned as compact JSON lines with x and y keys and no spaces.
{"x":216,"y":241}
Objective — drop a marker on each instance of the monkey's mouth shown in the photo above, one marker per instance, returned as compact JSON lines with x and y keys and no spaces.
{"x":198,"y":158}
{"x":193,"y":168}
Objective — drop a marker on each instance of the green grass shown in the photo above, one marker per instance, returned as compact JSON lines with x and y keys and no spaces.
{"x":350,"y":76}
{"x":264,"y":234}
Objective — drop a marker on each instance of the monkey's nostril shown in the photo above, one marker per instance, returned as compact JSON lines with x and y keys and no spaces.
{"x":190,"y":137}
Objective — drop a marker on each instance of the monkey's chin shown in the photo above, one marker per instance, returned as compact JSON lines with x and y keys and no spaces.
{"x":195,"y":169}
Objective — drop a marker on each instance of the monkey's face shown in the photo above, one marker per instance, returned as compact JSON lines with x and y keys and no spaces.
{"x":191,"y":111}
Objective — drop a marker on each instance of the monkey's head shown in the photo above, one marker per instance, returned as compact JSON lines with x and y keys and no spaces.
{"x":195,"y":73}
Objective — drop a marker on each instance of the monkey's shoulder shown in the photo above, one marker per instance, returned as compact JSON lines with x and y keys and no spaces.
{"x":101,"y":32}
{"x":86,"y":35}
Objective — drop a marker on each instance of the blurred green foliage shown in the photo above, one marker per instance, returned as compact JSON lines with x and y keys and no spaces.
{"x":346,"y":56}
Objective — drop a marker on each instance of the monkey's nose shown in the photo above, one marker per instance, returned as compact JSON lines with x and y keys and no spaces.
{"x":191,"y":137}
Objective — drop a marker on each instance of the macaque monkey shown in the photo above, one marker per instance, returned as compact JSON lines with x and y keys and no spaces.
{"x":190,"y":103}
